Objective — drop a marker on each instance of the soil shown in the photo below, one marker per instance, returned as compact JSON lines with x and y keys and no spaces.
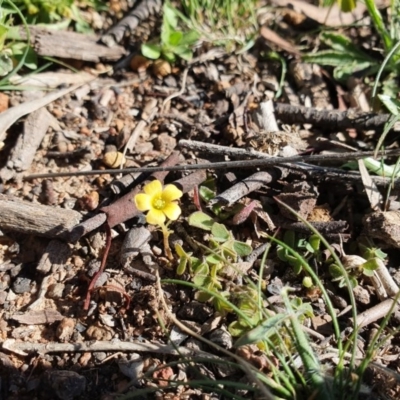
{"x":79,"y":264}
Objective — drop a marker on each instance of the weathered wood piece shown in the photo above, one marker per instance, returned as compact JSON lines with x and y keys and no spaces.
{"x":22,"y":154}
{"x":140,"y":12}
{"x":36,"y":219}
{"x":73,"y":45}
{"x":9,"y":117}
{"x":332,"y":120}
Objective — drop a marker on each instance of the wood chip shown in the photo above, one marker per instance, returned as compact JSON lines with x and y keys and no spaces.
{"x":38,"y":317}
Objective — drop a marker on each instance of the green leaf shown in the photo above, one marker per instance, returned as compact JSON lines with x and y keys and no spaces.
{"x":182,"y":266}
{"x":289,"y":238}
{"x":169,"y":15}
{"x":343,"y":72}
{"x":342,"y":43}
{"x":393,"y":105}
{"x":222,"y":306}
{"x":297,"y":265}
{"x":30,"y":60}
{"x":184,"y":53}
{"x":165,"y":34}
{"x":337,"y":58}
{"x":370,"y":266}
{"x":214,"y":259}
{"x":201,"y":220}
{"x":262,"y":332}
{"x":315,"y":242}
{"x":236,"y":329}
{"x":152,"y":51}
{"x":353,"y":282}
{"x":347,"y":5}
{"x":199,"y":267}
{"x":201,"y":280}
{"x":220,"y":233}
{"x":6,"y":65}
{"x":335,"y":271}
{"x":206,"y":194}
{"x":203,"y":297}
{"x":175,"y":38}
{"x":241,"y":249}
{"x":189,"y":38}
{"x":169,"y":55}
{"x":282,"y":253}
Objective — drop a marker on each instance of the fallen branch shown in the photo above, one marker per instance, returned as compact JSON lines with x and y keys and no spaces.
{"x":22,"y":216}
{"x":332,"y":120}
{"x":25,"y":348}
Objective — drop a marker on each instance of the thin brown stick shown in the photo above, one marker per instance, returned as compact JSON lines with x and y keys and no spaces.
{"x":230,"y":164}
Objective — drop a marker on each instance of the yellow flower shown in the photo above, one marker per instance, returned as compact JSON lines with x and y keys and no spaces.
{"x":159,"y":203}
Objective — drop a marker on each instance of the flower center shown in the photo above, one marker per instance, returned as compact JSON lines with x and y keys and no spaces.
{"x":158,"y":203}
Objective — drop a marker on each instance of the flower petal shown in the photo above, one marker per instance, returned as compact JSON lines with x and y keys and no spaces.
{"x":172,"y":211}
{"x":143,"y":202}
{"x":153,"y":188}
{"x":155,"y":217}
{"x":171,"y":193}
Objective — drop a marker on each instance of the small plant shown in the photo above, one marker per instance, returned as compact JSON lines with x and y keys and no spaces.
{"x":355,"y":266}
{"x":14,"y":53}
{"x":310,"y":248}
{"x":223,"y":251}
{"x":173,"y":42}
{"x":221,"y":22}
{"x":160,"y":204}
{"x":53,"y":11}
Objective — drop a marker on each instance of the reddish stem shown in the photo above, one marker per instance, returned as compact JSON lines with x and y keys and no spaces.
{"x":102,"y":266}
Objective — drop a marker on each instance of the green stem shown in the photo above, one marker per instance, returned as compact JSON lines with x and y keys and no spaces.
{"x":379,"y":25}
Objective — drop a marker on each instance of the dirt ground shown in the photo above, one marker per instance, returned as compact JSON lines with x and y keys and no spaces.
{"x":72,"y":328}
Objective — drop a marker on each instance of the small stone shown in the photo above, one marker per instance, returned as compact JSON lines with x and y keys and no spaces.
{"x":21,"y":285}
{"x":195,"y":311}
{"x":90,"y":201}
{"x":99,"y":355}
{"x":3,"y":296}
{"x":139,"y":63}
{"x":114,"y":159}
{"x":98,"y":333}
{"x":56,"y":291}
{"x":65,"y":329}
{"x":85,"y":358}
{"x":222,"y":338}
{"x":161,"y":68}
{"x":164,"y":143}
{"x":361,"y":295}
{"x":62,"y":385}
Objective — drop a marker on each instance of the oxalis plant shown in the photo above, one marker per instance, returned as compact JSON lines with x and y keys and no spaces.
{"x":347,"y":58}
{"x":274,"y":337}
{"x":173,"y":41}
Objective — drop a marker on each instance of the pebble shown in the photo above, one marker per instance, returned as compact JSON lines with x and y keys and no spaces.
{"x":164,"y":143}
{"x":56,"y":291}
{"x":161,"y":68}
{"x":21,"y":285}
{"x":65,"y":329}
{"x":195,"y":311}
{"x":99,"y":355}
{"x":3,"y":296}
{"x":222,"y":338}
{"x":113,"y":159}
